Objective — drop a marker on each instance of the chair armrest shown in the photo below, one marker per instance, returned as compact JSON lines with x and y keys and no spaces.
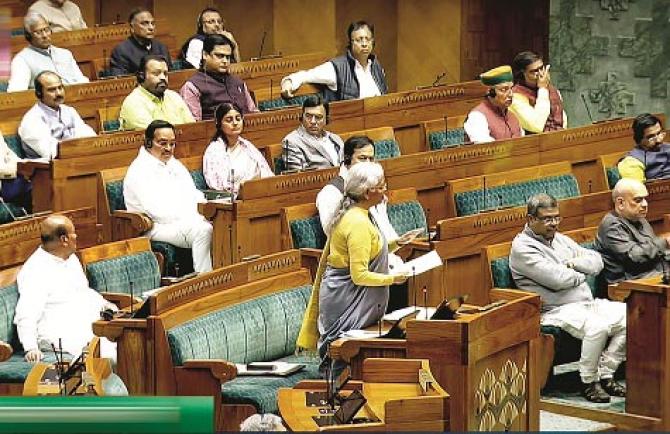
{"x":27,"y":168}
{"x":138,"y":221}
{"x":311,"y":253}
{"x":347,"y":349}
{"x":219,"y":369}
{"x":119,"y":299}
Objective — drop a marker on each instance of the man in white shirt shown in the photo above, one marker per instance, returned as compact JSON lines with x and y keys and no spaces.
{"x":49,"y":121}
{"x":310,"y":146}
{"x":160,"y":186}
{"x":55,"y":302}
{"x":40,"y":56}
{"x":356,"y":74}
{"x":63,"y":15}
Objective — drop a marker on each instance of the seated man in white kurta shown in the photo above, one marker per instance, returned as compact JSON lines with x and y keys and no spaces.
{"x":55,"y":302}
{"x":160,"y":186}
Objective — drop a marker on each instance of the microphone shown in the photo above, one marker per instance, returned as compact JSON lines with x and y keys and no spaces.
{"x":428,"y":223}
{"x":500,"y":202}
{"x":414,"y":284}
{"x":439,"y":77}
{"x":588,"y":110}
{"x":260,"y":51}
{"x":590,"y":186}
{"x":483,"y":194}
{"x":666,"y":270}
{"x":271,"y":98}
{"x":176,"y":269}
{"x":105,"y":63}
{"x":425,"y":300}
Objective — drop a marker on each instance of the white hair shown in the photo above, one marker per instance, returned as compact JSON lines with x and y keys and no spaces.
{"x":31,"y":19}
{"x":625,"y":185}
{"x":262,"y":423}
{"x":360,"y":178}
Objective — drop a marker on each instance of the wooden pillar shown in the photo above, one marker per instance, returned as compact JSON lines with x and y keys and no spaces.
{"x":428,"y":41}
{"x":304,"y":26}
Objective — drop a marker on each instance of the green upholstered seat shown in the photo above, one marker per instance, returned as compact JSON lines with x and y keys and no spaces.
{"x":179,"y":64}
{"x":613,"y":176}
{"x":279,"y":165}
{"x":440,"y":140}
{"x":18,"y":31}
{"x":307,"y":233}
{"x":406,"y":216}
{"x":111,"y":125}
{"x":385,"y":149}
{"x":14,"y":143}
{"x":278,"y":103}
{"x":199,"y":179}
{"x":3,"y":86}
{"x":258,"y":330}
{"x":6,"y":217}
{"x":115,"y":275}
{"x":516,"y":194}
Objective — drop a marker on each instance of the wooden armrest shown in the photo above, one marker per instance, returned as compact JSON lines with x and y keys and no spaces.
{"x":120,"y":299}
{"x":138,"y":221}
{"x":614,"y":292}
{"x":312,"y":253}
{"x":27,"y":168}
{"x":346,"y":349}
{"x":219,"y":369}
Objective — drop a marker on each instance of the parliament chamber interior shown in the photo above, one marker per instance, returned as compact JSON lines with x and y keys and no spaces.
{"x":361,"y":215}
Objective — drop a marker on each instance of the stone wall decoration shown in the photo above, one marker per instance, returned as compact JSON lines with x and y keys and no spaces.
{"x":501,"y":399}
{"x":614,"y":7}
{"x":612,"y":96}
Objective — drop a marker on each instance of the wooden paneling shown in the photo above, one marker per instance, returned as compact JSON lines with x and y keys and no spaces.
{"x":118,"y":10}
{"x":248,"y":20}
{"x":183,"y":13}
{"x":302,"y":24}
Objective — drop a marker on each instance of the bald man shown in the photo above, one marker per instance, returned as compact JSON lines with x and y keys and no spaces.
{"x":55,"y":301}
{"x":626,"y":241}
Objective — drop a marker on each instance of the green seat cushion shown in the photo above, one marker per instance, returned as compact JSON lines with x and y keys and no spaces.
{"x":258,"y":330}
{"x":199,"y":179}
{"x":277,"y":103}
{"x":307,"y":233}
{"x":515,"y":194}
{"x":3,"y":86}
{"x":6,"y":217}
{"x":613,"y":176}
{"x":111,"y":125}
{"x":440,"y":140}
{"x":9,"y":296}
{"x":385,"y":149}
{"x":261,"y":392}
{"x":16,"y":369}
{"x":406,"y":216}
{"x":115,"y":275}
{"x":115,"y":195}
{"x":179,"y":64}
{"x":279,"y":165}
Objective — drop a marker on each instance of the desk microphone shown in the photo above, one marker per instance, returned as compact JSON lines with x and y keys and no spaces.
{"x":414,"y":284}
{"x":483,"y":208}
{"x":590,"y":186}
{"x":260,"y":51}
{"x":425,"y":300}
{"x":588,"y":110}
{"x":666,"y":270}
{"x":439,"y":77}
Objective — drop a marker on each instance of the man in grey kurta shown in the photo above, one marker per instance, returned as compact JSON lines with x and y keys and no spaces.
{"x":626,"y":240}
{"x":551,"y":264}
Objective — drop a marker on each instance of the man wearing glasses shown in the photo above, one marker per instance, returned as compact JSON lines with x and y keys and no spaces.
{"x":544,"y":261}
{"x":160,"y":186}
{"x":650,"y":158}
{"x":536,"y":102}
{"x":491,"y":119}
{"x":356,"y":74}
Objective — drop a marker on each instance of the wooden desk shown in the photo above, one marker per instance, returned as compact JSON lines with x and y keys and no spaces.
{"x":493,"y":353}
{"x":393,"y":395}
{"x":647,"y":347}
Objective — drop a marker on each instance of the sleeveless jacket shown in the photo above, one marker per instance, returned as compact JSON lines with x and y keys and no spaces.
{"x":656,"y":163}
{"x":347,"y":83}
{"x":555,"y":119}
{"x":501,"y":125}
{"x":215,"y":90}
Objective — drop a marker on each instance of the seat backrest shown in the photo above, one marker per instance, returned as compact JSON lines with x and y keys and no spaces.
{"x":277,"y":103}
{"x":453,"y":138}
{"x":609,"y":164}
{"x":405,"y":212}
{"x":108,"y":119}
{"x":112,"y":267}
{"x":384,"y":141}
{"x":9,"y":296}
{"x":14,"y":143}
{"x":301,"y":227}
{"x":260,"y":329}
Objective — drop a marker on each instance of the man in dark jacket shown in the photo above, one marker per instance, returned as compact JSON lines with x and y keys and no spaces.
{"x":356,"y":74}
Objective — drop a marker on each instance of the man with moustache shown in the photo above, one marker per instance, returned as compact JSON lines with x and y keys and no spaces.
{"x":491,"y":119}
{"x":126,"y":56}
{"x":40,"y":56}
{"x":160,"y":186}
{"x":356,"y":74}
{"x":210,"y":22}
{"x":152,"y":99}
{"x":50,"y":121}
{"x":546,"y":262}
{"x":650,"y":158}
{"x":213,"y":84}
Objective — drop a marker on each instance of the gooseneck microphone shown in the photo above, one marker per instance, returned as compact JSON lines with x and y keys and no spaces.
{"x":588,"y":110}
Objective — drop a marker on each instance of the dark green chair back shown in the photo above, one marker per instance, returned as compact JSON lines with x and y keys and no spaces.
{"x":9,"y":296}
{"x":613,"y":176}
{"x":516,"y":194}
{"x":111,"y":125}
{"x":385,"y":149}
{"x":6,"y":217}
{"x":116,"y":274}
{"x":307,"y":233}
{"x":405,"y":216}
{"x":3,"y":86}
{"x":14,"y":143}
{"x":439,"y":140}
{"x":278,"y":103}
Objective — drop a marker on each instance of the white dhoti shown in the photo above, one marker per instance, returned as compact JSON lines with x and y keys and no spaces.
{"x":594,"y":323}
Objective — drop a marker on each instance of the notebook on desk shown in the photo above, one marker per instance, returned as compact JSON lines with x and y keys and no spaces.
{"x":280,"y":369}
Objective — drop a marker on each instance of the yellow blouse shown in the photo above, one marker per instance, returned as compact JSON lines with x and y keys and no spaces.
{"x":633,"y":168}
{"x":354,"y":242}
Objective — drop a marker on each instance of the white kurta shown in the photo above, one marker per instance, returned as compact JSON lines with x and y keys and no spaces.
{"x":167,"y":194}
{"x":325,"y":74}
{"x":55,"y":302}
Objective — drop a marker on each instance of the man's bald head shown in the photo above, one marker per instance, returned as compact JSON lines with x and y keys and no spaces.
{"x":630,"y":199}
{"x":57,"y":235}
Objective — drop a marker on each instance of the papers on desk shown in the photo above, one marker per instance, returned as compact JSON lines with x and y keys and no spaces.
{"x":405,"y":311}
{"x":361,"y":334}
{"x":281,"y":369}
{"x":421,"y":264}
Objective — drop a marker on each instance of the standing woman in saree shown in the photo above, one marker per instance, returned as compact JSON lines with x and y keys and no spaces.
{"x":351,"y":289}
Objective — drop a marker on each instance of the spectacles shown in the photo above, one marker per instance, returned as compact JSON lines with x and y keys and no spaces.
{"x":658,"y":137}
{"x":363,"y":39}
{"x":315,"y":117}
{"x":213,"y":21}
{"x":548,"y":220}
